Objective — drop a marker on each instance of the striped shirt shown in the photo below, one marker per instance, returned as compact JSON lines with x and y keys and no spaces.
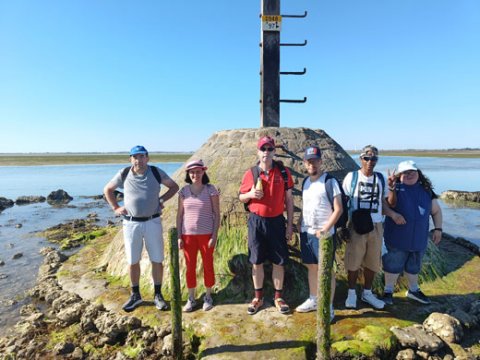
{"x":197,"y":210}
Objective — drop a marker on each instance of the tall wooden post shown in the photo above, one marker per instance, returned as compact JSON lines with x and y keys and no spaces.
{"x":325,"y":264}
{"x":270,"y":64}
{"x":176,"y":308}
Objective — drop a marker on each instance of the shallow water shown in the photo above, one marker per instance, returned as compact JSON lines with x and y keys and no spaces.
{"x":88,"y":180}
{"x":81,"y":182}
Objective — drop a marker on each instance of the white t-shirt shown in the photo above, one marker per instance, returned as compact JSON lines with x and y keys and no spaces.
{"x":317,"y":209}
{"x":363,"y":189}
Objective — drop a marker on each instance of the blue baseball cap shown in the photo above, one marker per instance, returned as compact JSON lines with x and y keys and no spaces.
{"x":312,"y":152}
{"x":139,"y":149}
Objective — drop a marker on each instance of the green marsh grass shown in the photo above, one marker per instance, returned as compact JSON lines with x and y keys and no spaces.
{"x":231,"y":241}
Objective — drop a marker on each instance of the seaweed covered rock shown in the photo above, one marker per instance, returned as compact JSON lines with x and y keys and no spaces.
{"x":5,"y":203}
{"x":59,"y":197}
{"x":24,"y":200}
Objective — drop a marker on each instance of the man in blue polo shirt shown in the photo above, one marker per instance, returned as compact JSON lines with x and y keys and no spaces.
{"x":141,"y":219}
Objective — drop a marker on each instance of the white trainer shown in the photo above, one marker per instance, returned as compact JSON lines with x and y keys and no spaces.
{"x":207,"y":303}
{"x":190,"y":305}
{"x":307,"y":306}
{"x":371,"y":299}
{"x":351,"y":301}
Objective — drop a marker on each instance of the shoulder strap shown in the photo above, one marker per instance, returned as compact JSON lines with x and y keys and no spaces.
{"x":255,"y":173}
{"x":156,"y":173}
{"x":353,"y":184}
{"x":125,"y":172}
{"x":281,"y":167}
{"x":382,"y":180}
{"x":304,"y":181}
{"x":329,"y":188}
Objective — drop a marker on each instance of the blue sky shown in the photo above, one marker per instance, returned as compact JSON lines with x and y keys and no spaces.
{"x":105,"y":75}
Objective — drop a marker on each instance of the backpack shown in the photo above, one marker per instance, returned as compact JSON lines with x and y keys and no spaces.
{"x":256,"y":174}
{"x":343,"y":219}
{"x":154,"y":169}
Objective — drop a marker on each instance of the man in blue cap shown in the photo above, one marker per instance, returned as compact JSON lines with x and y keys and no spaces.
{"x":141,"y":219}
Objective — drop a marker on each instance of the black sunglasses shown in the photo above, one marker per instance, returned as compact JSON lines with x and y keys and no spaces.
{"x":370,"y":158}
{"x":269,"y":149}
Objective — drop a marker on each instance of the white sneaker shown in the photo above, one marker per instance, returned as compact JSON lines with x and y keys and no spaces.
{"x":307,"y":306}
{"x":351,"y":301}
{"x":207,"y":303}
{"x":371,"y":299}
{"x":191,"y":303}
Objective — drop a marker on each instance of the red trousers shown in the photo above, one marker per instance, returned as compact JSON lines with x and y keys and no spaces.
{"x":191,"y":245}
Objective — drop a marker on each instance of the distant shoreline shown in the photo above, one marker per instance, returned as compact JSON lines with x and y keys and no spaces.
{"x":83,"y":158}
{"x":31,"y":159}
{"x":449,"y":153}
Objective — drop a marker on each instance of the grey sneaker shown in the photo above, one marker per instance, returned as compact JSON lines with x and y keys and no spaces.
{"x":418,"y":296}
{"x":190,"y":305}
{"x":160,"y":303}
{"x":134,"y":301}
{"x":207,"y":303}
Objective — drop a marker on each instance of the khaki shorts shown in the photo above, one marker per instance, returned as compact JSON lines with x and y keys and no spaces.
{"x":364,"y":250}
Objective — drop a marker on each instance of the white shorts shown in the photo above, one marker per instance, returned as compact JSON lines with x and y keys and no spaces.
{"x":136,"y":232}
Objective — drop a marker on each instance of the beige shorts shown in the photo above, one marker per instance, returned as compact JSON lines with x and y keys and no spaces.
{"x":364,"y":250}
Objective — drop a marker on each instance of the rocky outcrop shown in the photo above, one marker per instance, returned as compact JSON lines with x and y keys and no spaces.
{"x":104,"y":333}
{"x":455,"y":195}
{"x":59,"y":197}
{"x":24,"y":200}
{"x":228,"y":154}
{"x":5,"y":203}
{"x":445,"y":327}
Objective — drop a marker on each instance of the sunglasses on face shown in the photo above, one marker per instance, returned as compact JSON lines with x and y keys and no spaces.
{"x":409,"y":172}
{"x":269,"y":149}
{"x":370,"y":158}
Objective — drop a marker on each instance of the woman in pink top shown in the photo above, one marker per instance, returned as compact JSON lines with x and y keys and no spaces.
{"x":198,"y":219}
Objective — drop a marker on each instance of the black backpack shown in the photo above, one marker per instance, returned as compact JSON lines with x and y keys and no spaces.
{"x":342,"y":221}
{"x":256,"y":173}
{"x":154,"y":169}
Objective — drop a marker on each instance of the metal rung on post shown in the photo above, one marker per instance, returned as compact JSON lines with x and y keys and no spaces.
{"x":294,"y":72}
{"x":299,"y":44}
{"x":295,"y":16}
{"x":294,"y":101}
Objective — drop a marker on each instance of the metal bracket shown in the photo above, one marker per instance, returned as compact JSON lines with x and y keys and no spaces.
{"x":295,"y":16}
{"x":294,"y":72}
{"x":294,"y":101}
{"x":288,"y":44}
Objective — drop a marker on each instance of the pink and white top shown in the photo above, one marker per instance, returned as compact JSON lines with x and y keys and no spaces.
{"x":197,"y":210}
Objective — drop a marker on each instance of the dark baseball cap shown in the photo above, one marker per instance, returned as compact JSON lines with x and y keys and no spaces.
{"x":312,"y":152}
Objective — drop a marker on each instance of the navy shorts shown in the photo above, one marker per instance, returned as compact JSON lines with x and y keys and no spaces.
{"x":395,"y":261}
{"x":267,"y":240}
{"x":309,"y":247}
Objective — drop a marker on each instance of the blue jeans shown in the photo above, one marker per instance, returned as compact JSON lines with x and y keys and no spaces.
{"x":309,"y":247}
{"x":395,"y":261}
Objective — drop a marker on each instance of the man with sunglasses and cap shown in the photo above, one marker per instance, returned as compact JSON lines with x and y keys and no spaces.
{"x":365,"y":250}
{"x":141,"y":219}
{"x":268,"y":231}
